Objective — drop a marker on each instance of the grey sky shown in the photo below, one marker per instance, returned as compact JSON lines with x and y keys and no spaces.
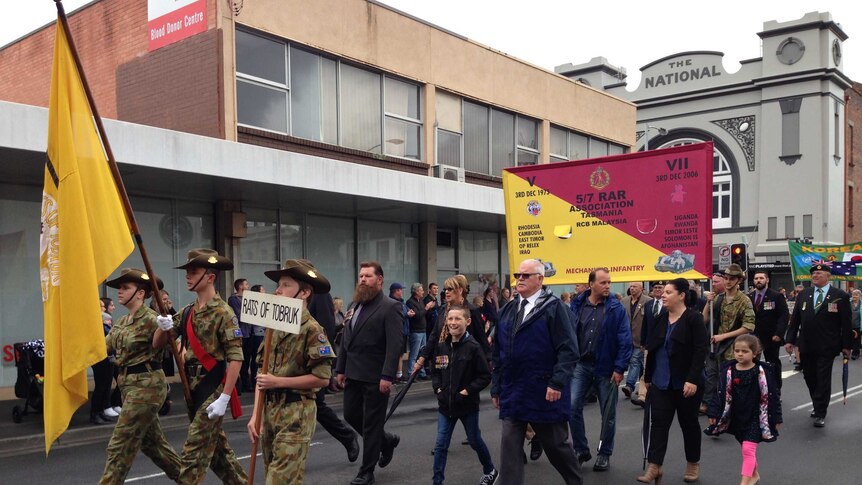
{"x":551,"y":32}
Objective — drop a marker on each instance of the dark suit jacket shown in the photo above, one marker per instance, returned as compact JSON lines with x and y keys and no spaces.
{"x":636,"y":318}
{"x":371,"y":346}
{"x":770,"y":317}
{"x":690,"y":345}
{"x":825,"y":331}
{"x":649,"y":319}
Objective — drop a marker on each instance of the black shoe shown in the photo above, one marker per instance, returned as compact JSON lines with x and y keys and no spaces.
{"x":353,"y":449}
{"x":627,"y":391}
{"x":97,"y":420}
{"x":812,"y":415}
{"x":387,"y":452}
{"x":585,"y":457}
{"x":603,"y":463}
{"x":535,"y":449}
{"x":819,"y":422}
{"x":591,"y":398}
{"x":797,"y":367}
{"x":638,"y":402}
{"x":366,"y":478}
{"x":465,"y":442}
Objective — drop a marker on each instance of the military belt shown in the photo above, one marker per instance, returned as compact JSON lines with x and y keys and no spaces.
{"x":141,"y":368}
{"x":283,"y":395}
{"x":195,"y":370}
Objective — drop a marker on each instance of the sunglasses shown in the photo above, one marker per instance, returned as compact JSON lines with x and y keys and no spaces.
{"x":523,"y":276}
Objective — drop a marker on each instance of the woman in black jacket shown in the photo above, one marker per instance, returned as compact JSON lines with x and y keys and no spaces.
{"x":676,"y":348}
{"x":459,"y":372}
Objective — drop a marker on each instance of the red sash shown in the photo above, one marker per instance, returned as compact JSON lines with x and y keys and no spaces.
{"x":208,"y":361}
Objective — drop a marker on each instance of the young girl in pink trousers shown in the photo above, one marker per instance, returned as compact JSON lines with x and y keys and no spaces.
{"x":748,"y":404}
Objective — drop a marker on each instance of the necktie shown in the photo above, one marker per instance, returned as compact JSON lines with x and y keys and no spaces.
{"x":355,"y":316}
{"x":758,"y":299}
{"x":656,"y":306}
{"x":819,"y":300}
{"x":519,"y":318}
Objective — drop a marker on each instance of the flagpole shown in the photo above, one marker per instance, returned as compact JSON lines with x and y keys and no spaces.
{"x":121,"y":188}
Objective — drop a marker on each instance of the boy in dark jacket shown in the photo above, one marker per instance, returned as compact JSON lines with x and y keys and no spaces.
{"x":459,"y":372}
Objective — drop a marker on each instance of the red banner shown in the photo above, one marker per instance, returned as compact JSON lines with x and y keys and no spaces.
{"x":178,"y":24}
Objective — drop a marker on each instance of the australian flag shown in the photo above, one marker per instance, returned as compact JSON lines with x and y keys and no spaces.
{"x":844,"y":268}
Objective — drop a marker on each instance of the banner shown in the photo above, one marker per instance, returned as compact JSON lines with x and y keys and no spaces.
{"x":169,"y":21}
{"x":85,"y":236}
{"x":841,"y":259}
{"x":645,"y":216}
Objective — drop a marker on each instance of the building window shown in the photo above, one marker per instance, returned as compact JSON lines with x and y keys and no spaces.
{"x":477,"y":136}
{"x":789,"y":227}
{"x":722,"y":184}
{"x":771,"y":227}
{"x":850,"y":204}
{"x":570,"y":145}
{"x":291,"y":90}
{"x":808,"y":225}
{"x":790,"y":130}
{"x":449,"y":129}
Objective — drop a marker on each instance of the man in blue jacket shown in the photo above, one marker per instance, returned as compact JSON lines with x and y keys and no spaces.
{"x":601,"y":326}
{"x":534,"y":358}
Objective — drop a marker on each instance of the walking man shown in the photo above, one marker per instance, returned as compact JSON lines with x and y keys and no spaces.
{"x":605,"y":346}
{"x":367,"y":363}
{"x":821,"y":317}
{"x":209,"y":330}
{"x":770,"y":318}
{"x":634,"y":305}
{"x":534,"y":358}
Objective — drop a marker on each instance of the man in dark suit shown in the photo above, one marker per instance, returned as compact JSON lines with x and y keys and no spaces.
{"x":652,"y":309}
{"x":821,"y":325}
{"x":634,"y":305}
{"x":770,"y":320}
{"x":367,"y":364}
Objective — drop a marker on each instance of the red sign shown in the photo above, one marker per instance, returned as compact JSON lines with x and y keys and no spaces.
{"x":166,"y":26}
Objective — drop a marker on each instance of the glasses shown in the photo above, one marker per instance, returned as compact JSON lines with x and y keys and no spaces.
{"x":523,"y":276}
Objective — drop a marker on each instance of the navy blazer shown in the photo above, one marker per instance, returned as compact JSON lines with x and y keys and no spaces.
{"x":825,"y":331}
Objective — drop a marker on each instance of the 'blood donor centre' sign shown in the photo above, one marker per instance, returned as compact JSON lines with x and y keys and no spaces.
{"x":171,"y":20}
{"x":271,"y":311}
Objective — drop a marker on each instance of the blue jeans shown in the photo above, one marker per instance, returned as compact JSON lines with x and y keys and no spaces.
{"x":445,"y":426}
{"x":417,"y":341}
{"x":636,"y":368}
{"x":583,"y":379}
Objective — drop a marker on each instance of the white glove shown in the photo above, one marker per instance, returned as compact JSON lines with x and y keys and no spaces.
{"x":165,"y":323}
{"x":218,"y":407}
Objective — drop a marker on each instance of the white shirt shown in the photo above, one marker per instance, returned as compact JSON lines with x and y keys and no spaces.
{"x":531,"y":302}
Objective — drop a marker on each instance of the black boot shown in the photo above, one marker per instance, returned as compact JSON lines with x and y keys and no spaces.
{"x":97,"y":420}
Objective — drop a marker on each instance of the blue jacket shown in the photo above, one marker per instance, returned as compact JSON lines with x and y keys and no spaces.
{"x":541,"y":354}
{"x":614,"y":348}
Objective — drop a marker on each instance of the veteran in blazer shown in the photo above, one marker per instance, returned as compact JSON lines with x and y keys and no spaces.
{"x":367,"y":364}
{"x":770,"y":320}
{"x":820,"y":326}
{"x":634,"y":305}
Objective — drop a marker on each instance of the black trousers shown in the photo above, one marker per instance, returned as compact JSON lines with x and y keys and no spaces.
{"x":554,"y":438}
{"x":103,"y":374}
{"x":662,"y":405}
{"x":817,"y":371}
{"x":365,"y":410}
{"x":770,"y":354}
{"x":249,"y":356}
{"x":330,"y":421}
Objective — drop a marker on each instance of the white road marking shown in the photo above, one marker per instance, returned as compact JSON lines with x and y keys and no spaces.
{"x":156,"y":475}
{"x":838,"y":395}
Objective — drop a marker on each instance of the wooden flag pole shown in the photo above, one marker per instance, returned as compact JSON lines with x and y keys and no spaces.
{"x":260,"y":397}
{"x":124,"y":196}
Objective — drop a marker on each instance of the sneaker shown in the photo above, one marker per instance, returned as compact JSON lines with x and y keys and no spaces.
{"x":109,"y":412}
{"x":627,"y":391}
{"x":489,"y":478}
{"x":117,"y":409}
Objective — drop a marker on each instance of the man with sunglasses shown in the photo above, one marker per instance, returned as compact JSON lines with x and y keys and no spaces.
{"x":534,"y":359}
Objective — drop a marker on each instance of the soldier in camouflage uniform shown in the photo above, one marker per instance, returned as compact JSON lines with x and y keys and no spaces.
{"x":215,"y":326}
{"x":737,"y":313}
{"x":300,"y":364}
{"x":142,"y":383}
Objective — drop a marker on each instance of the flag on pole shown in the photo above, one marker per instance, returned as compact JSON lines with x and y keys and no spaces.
{"x":85,"y":236}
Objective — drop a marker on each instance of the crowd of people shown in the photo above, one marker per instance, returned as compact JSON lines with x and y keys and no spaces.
{"x":673,"y":351}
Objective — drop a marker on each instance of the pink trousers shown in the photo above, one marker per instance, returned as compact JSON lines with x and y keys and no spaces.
{"x":749,"y":458}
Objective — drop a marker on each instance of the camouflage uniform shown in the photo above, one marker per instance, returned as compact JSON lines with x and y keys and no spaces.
{"x":215,"y":325}
{"x":287,"y":428}
{"x":735,"y":313}
{"x":138,"y":426}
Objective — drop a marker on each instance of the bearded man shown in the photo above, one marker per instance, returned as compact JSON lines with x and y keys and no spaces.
{"x":367,"y":364}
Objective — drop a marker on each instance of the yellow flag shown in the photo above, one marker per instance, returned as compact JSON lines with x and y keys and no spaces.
{"x":85,"y":237}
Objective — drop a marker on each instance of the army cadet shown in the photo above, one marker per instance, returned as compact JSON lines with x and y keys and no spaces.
{"x":210,"y":333}
{"x":141,"y":381}
{"x":300,"y":365}
{"x":736,"y":314}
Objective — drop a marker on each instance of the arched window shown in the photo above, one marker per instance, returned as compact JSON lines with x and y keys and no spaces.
{"x":722,"y":184}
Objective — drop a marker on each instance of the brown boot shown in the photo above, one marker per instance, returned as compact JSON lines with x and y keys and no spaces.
{"x":653,"y":472}
{"x":692,"y":472}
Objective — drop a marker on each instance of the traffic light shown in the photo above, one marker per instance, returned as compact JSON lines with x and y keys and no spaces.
{"x":738,"y":255}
